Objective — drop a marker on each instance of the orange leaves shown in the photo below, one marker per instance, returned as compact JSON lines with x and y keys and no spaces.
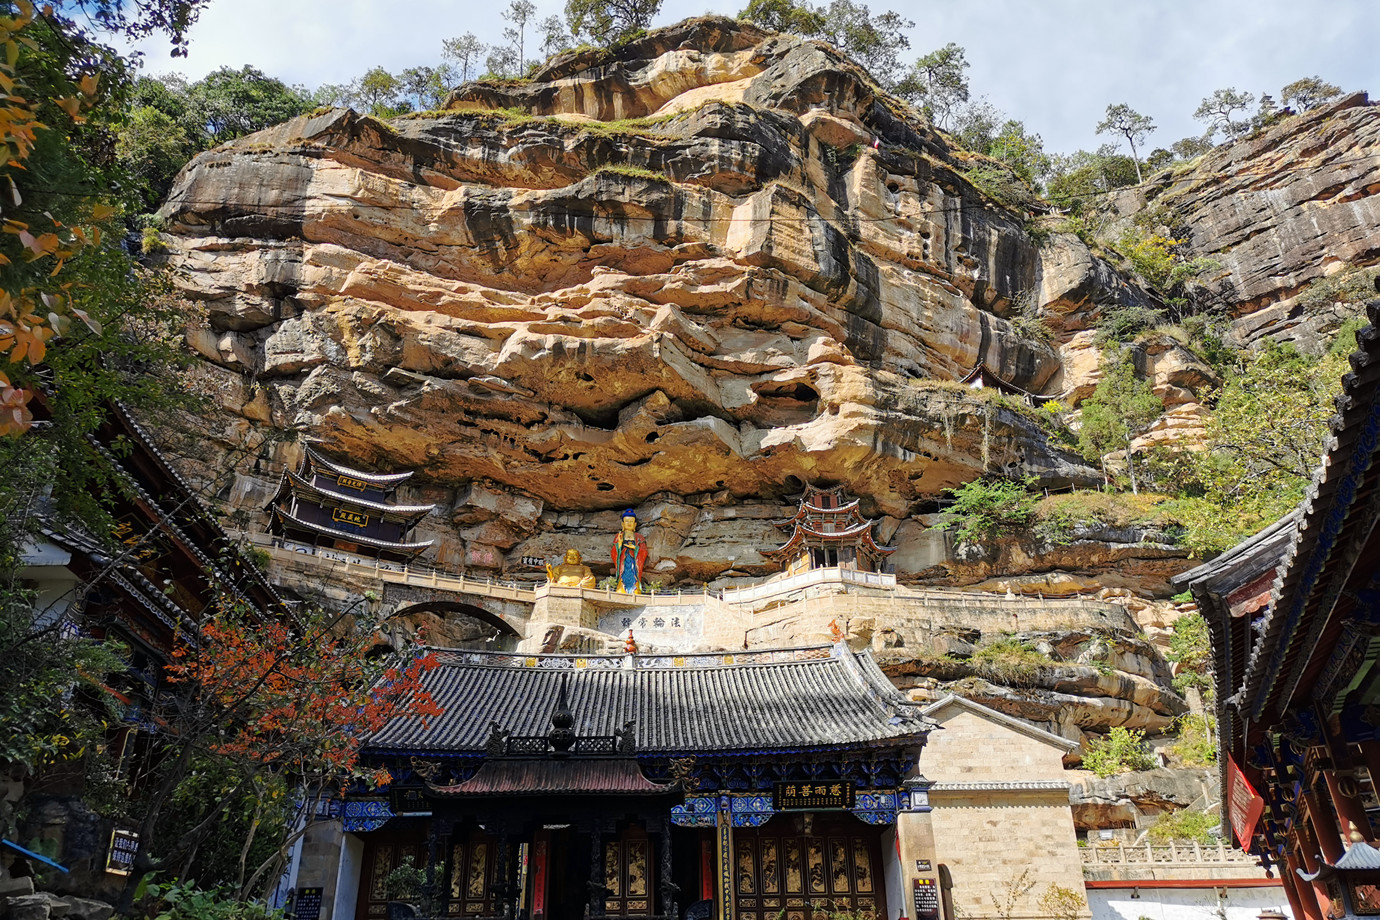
{"x":297,"y":696}
{"x":31,"y":316}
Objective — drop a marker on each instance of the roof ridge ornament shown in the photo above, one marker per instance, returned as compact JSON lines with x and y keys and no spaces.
{"x":562,"y":734}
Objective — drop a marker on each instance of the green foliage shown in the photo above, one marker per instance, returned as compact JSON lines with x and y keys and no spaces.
{"x":1352,"y":285}
{"x":1121,"y":750}
{"x":1196,"y":745}
{"x":987,"y":508}
{"x":937,"y":83}
{"x":1189,"y":647}
{"x":1119,"y":408}
{"x":185,"y":901}
{"x":1010,"y":660}
{"x":637,"y":172}
{"x":609,"y":22}
{"x":1309,"y":93}
{"x":1080,"y":178}
{"x":875,"y":40}
{"x":1216,"y":112}
{"x":1126,"y":122}
{"x":1184,"y":824}
{"x":1001,"y":185}
{"x":405,"y":881}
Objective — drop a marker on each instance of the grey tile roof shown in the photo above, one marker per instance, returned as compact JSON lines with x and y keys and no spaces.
{"x":780,"y":700}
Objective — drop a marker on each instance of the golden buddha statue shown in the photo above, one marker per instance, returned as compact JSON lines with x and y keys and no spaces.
{"x":570,"y":574}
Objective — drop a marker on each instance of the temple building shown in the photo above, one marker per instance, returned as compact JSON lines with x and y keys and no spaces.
{"x":326,"y":505}
{"x":753,"y":785}
{"x":1294,"y":619}
{"x":828,"y":531}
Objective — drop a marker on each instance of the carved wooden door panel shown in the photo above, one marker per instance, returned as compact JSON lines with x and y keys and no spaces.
{"x":806,"y":876}
{"x":383,"y":852}
{"x":471,"y":872}
{"x":628,"y":875}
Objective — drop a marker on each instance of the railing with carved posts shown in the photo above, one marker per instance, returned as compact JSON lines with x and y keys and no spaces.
{"x":1181,"y":854}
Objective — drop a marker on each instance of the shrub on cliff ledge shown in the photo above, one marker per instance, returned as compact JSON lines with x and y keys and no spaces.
{"x":987,"y":508}
{"x":1120,"y":751}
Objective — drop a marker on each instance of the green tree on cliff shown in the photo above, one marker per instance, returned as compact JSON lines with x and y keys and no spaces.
{"x":1116,"y":412}
{"x":1125,"y":121}
{"x":874,"y":39}
{"x":609,"y":22}
{"x":465,"y":50}
{"x":1216,"y":112}
{"x":1309,"y":93}
{"x":937,"y":83}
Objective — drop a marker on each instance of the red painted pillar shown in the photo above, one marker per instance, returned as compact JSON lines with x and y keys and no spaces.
{"x":1299,"y":892}
{"x":1325,"y":829}
{"x":1350,"y":811}
{"x":541,"y":860}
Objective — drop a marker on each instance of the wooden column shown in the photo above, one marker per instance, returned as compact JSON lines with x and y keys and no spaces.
{"x":668,"y":887}
{"x":1325,"y":829}
{"x":596,"y":870}
{"x":1370,"y":753}
{"x":1350,"y":811}
{"x":723,"y":863}
{"x":1308,"y":852}
{"x":1299,"y":892}
{"x":541,"y":859}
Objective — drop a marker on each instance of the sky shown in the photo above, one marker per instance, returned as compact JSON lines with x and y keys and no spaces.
{"x":1054,"y":64}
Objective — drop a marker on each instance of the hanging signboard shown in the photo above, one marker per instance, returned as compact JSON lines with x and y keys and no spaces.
{"x":810,"y":796}
{"x":120,"y":857}
{"x":346,"y":516}
{"x":1244,"y":805}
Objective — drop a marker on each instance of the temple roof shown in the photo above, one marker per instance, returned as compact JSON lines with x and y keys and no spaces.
{"x":619,"y":776}
{"x":779,"y":700}
{"x":282,"y":519}
{"x":381,"y":480}
{"x":814,"y":522}
{"x":293,"y":482}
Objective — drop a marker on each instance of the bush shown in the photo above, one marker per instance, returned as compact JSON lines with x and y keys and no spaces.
{"x":1195,"y":747}
{"x":987,"y":508}
{"x":184,"y":901}
{"x":1189,"y":648}
{"x":1010,"y":660}
{"x":1184,"y":824}
{"x":1349,"y":286}
{"x":1120,"y":751}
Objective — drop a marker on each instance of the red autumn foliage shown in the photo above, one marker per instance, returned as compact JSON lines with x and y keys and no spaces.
{"x":298,"y":697}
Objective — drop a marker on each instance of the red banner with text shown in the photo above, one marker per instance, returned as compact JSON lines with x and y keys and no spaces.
{"x":1244,"y":805}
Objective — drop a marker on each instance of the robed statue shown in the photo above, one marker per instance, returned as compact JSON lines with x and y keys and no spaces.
{"x":570,"y":574}
{"x":629,"y":555}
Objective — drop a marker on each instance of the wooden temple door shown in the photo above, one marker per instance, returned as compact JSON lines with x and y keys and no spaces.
{"x":778,"y":871}
{"x":472,"y":871}
{"x":384,"y":851}
{"x":628,"y":867}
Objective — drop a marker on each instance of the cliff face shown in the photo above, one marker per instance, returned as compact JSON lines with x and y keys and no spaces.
{"x":1279,"y":211}
{"x":763,"y":274}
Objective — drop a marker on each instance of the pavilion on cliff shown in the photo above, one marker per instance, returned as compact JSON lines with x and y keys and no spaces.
{"x":326,"y":505}
{"x":828,"y":531}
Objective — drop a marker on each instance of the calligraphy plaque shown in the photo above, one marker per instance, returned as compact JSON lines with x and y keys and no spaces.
{"x":346,"y":516}
{"x":349,"y":482}
{"x":812,"y":796}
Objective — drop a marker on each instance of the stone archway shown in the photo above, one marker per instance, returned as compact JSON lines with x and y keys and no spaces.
{"x":455,"y":624}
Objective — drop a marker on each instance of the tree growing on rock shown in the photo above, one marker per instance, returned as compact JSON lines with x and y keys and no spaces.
{"x":1121,"y":407}
{"x":610,"y":22}
{"x":1216,"y":112}
{"x":1125,"y":121}
{"x":465,"y":50}
{"x":874,"y":40}
{"x":1309,"y":93}
{"x":519,"y":13}
{"x":937,"y":83}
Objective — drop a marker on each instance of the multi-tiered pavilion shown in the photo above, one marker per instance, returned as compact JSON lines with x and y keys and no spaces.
{"x":326,"y":505}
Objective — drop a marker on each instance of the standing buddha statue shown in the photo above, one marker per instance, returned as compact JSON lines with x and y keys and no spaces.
{"x":629,"y":555}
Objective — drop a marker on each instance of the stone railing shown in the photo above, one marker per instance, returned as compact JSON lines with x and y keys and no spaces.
{"x":831,"y":576}
{"x":1170,"y":855}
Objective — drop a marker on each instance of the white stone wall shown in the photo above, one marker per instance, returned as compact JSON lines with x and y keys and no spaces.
{"x":1185,"y":903}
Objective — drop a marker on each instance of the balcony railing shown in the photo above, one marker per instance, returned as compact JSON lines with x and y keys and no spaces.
{"x":1170,"y":854}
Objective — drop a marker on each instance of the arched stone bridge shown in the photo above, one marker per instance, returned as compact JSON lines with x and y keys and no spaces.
{"x":393,"y":590}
